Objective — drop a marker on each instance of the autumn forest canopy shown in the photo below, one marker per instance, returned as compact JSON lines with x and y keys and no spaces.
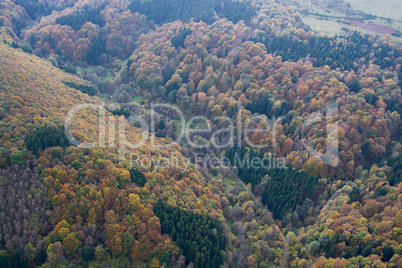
{"x":169,"y":206}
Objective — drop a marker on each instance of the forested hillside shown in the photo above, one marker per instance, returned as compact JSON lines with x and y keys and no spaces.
{"x":63,"y":204}
{"x":346,"y":53}
{"x":225,"y":62}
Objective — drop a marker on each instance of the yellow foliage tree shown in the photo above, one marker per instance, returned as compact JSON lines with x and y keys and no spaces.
{"x":71,"y":243}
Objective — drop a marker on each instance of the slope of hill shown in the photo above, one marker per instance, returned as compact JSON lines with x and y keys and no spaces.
{"x":68,"y":204}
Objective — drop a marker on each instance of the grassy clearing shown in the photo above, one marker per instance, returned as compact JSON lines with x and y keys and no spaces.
{"x":89,"y":69}
{"x":331,"y":27}
{"x":177,"y":126}
{"x":229,"y":223}
{"x":328,"y":27}
{"x":92,"y":69}
{"x":137,"y":99}
{"x":228,"y":183}
{"x":105,"y":96}
{"x":109,"y":74}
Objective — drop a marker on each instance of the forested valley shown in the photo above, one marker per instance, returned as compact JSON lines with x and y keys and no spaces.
{"x":239,"y":61}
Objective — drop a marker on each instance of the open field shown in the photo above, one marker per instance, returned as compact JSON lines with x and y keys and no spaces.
{"x":335,"y":17}
{"x":325,"y":27}
{"x":382,"y":8}
{"x":330,"y":27}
